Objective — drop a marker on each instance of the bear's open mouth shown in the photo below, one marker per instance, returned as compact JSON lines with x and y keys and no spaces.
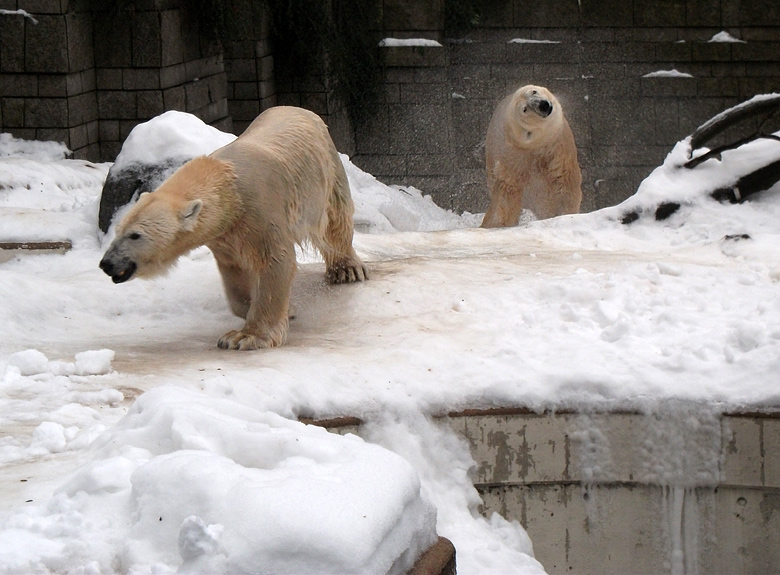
{"x":125,"y":274}
{"x":119,"y":273}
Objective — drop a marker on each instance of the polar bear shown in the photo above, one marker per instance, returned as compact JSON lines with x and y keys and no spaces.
{"x":531,"y":159}
{"x":280,"y":183}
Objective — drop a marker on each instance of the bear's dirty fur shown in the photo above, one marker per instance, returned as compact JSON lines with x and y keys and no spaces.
{"x":531,"y":159}
{"x":280,"y":183}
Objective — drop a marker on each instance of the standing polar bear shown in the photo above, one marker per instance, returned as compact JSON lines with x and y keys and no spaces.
{"x":531,"y":159}
{"x":280,"y":183}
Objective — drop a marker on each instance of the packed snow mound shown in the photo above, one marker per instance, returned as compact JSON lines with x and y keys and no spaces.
{"x":201,"y":484}
{"x":170,"y":135}
{"x":380,"y":208}
{"x":692,"y":216}
{"x":150,"y":154}
{"x":33,"y":362}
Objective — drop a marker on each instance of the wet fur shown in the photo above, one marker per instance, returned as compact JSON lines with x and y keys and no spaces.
{"x":531,"y":160}
{"x":280,"y":183}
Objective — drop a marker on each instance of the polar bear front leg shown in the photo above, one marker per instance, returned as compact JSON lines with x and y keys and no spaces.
{"x":506,"y":205}
{"x":267,"y":321}
{"x":345,"y":269}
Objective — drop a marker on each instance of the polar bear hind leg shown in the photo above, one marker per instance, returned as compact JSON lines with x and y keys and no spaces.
{"x":342,"y":265}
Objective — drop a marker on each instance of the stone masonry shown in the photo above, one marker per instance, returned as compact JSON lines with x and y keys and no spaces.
{"x":47,"y":75}
{"x":634,"y":77}
{"x":150,"y":60}
{"x":85,"y":73}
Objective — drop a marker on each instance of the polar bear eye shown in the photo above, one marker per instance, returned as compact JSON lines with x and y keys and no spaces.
{"x":525,"y":109}
{"x":534,"y":92}
{"x":135,"y":236}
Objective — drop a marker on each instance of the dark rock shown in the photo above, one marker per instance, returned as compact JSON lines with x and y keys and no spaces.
{"x":124,"y":185}
{"x":665,"y":210}
{"x":629,"y":218}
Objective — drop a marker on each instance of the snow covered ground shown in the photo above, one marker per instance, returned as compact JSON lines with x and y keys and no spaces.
{"x":129,"y":442}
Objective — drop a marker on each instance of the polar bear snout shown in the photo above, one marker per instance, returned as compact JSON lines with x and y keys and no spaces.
{"x":542,"y":107}
{"x":120,"y":271}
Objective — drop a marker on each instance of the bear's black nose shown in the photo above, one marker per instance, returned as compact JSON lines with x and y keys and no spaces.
{"x":545,"y":108}
{"x":107,"y":267}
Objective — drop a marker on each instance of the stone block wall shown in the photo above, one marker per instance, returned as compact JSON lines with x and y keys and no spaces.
{"x":682,"y":489}
{"x":149,"y":60}
{"x":411,"y":137}
{"x":249,"y":64}
{"x":47,"y":80}
{"x":85,"y":73}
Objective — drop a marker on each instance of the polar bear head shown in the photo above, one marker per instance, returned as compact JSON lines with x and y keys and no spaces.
{"x":534,"y":116}
{"x":145,"y":240}
{"x":185,"y":212}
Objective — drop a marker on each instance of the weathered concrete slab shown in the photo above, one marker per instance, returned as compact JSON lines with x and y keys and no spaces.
{"x":682,"y":489}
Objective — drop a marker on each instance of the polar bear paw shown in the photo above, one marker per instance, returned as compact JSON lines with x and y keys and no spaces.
{"x":347,"y":272}
{"x":241,"y":340}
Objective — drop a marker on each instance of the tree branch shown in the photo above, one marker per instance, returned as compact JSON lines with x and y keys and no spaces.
{"x":756,"y":106}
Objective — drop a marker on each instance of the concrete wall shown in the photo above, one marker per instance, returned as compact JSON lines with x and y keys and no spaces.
{"x":681,"y":489}
{"x":249,"y":64}
{"x":150,"y":60}
{"x":47,"y":74}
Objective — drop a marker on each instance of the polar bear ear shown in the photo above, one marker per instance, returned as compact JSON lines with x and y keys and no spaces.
{"x":189,"y":214}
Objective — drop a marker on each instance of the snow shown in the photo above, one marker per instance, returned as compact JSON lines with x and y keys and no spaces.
{"x":130,"y":443}
{"x":755,"y":100}
{"x":673,"y":73}
{"x":19,"y":13}
{"x":172,"y":134}
{"x":529,"y":41}
{"x":400,"y":42}
{"x":269,"y":484}
{"x":725,"y":37}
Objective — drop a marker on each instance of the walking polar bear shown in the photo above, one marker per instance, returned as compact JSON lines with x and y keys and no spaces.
{"x":280,"y":183}
{"x":531,"y":159}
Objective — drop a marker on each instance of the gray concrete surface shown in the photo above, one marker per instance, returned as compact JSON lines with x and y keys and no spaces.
{"x":680,"y":489}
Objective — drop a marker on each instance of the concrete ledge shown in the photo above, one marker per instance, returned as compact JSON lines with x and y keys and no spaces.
{"x":10,"y":249}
